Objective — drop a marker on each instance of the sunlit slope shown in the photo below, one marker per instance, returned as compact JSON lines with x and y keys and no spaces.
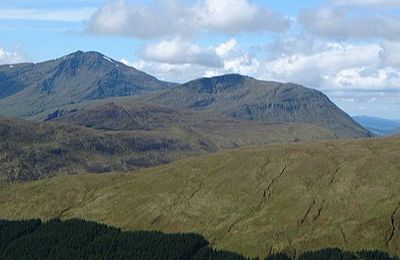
{"x":250,"y":200}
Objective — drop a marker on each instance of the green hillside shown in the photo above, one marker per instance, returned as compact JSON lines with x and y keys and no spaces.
{"x":254,"y":200}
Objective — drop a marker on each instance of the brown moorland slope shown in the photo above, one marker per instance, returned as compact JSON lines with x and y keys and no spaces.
{"x":128,"y":138}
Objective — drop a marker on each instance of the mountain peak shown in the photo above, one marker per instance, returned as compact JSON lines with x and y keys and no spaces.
{"x":243,"y":97}
{"x":90,"y":56}
{"x":76,"y":77}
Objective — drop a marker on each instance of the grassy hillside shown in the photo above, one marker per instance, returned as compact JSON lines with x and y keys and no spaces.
{"x":31,"y":150}
{"x":253,"y":200}
{"x":273,"y":102}
{"x":128,"y":138}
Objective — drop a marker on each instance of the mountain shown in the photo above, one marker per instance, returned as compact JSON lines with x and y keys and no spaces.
{"x":45,"y":90}
{"x":239,"y":96}
{"x":27,"y":89}
{"x":379,"y":126}
{"x":253,"y":200}
{"x":116,"y":137}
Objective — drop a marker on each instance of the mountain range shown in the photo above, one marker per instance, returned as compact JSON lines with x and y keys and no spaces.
{"x":50,"y":89}
{"x":379,"y":126}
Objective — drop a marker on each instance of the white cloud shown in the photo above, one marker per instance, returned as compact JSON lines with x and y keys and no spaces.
{"x":181,"y":61}
{"x":313,"y":69}
{"x":390,"y":54}
{"x":11,"y":57}
{"x":173,"y":18}
{"x":235,"y":60}
{"x":178,"y":51}
{"x":238,"y":16}
{"x":338,"y":23}
{"x":170,"y":72}
{"x":162,"y":18}
{"x":63,"y":15}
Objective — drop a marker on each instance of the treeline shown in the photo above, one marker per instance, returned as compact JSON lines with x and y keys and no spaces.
{"x":336,"y":254}
{"x":78,"y":239}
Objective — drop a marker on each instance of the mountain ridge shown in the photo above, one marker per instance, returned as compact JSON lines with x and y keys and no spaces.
{"x":27,"y":90}
{"x":238,"y":96}
{"x":33,"y":87}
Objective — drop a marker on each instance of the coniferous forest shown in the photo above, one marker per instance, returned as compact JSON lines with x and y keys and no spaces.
{"x":78,"y":239}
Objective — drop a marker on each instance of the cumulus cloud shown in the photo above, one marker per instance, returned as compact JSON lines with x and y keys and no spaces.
{"x":159,"y":19}
{"x":319,"y":68}
{"x":338,"y":23}
{"x":178,"y":51}
{"x":238,"y":16}
{"x":172,"y":18}
{"x":179,"y":60}
{"x":235,"y":60}
{"x":11,"y":57}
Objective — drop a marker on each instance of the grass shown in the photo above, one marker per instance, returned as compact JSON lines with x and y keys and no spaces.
{"x":129,"y":137}
{"x":253,"y":200}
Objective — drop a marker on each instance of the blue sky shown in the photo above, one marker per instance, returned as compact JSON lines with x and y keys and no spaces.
{"x":349,"y":49}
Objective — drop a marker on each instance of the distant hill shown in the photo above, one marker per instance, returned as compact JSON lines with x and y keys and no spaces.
{"x":225,"y":132}
{"x":279,"y":198}
{"x":127,"y":137}
{"x":27,"y":89}
{"x":243,"y":97}
{"x":379,"y":126}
